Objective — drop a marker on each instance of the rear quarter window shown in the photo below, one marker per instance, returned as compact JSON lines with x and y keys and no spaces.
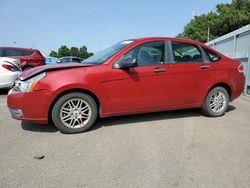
{"x":213,"y":57}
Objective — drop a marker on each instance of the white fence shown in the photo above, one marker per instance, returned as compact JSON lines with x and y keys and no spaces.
{"x":236,"y":45}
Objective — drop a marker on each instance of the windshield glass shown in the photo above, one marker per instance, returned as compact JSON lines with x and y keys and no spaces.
{"x":101,"y":56}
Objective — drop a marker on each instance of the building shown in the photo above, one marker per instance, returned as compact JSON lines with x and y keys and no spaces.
{"x":236,"y":45}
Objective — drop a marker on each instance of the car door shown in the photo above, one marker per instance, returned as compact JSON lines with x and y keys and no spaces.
{"x":143,"y":87}
{"x":190,"y":72}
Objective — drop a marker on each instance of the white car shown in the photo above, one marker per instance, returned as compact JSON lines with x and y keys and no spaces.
{"x":9,"y":71}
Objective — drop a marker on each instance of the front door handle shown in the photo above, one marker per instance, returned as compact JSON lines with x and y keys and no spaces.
{"x":205,"y":66}
{"x":157,"y":70}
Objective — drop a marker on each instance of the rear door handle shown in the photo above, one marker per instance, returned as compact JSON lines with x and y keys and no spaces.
{"x":205,"y":66}
{"x":157,"y":70}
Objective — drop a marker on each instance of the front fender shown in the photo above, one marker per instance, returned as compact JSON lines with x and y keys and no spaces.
{"x":80,"y":78}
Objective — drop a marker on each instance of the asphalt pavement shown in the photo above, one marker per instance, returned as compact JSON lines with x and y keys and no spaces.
{"x":167,"y":149}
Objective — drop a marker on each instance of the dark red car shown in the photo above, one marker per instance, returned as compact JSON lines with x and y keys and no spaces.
{"x":133,"y":76}
{"x":28,"y":57}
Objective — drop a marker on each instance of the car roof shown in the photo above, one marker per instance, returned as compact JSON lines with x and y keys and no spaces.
{"x":167,"y":38}
{"x":150,"y":39}
{"x":19,"y":48}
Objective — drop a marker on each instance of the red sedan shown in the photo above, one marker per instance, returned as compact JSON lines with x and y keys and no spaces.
{"x":28,"y":57}
{"x":133,"y":76}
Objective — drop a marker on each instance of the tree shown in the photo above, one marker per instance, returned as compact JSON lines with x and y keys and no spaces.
{"x":83,"y":52}
{"x":53,"y":53}
{"x":226,"y":18}
{"x":197,"y":28}
{"x":63,"y":51}
{"x":73,"y":51}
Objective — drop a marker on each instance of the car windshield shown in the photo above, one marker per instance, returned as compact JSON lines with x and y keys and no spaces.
{"x":101,"y":56}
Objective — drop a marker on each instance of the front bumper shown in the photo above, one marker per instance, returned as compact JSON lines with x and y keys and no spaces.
{"x":31,"y":106}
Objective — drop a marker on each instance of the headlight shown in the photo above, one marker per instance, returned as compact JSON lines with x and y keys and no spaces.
{"x":28,"y":85}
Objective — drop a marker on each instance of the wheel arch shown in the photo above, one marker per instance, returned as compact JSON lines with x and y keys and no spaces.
{"x":90,"y":93}
{"x":220,"y":84}
{"x":225,"y":85}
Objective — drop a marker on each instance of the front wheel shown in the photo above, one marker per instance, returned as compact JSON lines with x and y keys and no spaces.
{"x":74,"y":112}
{"x":216,"y":102}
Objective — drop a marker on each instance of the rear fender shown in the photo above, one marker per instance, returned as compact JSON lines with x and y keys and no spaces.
{"x":228,"y":86}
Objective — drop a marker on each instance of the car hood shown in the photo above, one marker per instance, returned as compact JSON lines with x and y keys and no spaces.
{"x":46,"y":68}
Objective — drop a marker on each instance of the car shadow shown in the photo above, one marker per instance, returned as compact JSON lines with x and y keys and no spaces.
{"x":156,"y":116}
{"x":34,"y":127}
{"x":177,"y":114}
{"x":230,"y":108}
{"x":4,"y":91}
{"x":123,"y":120}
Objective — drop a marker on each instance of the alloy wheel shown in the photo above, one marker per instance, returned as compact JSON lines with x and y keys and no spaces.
{"x":75,"y":113}
{"x":217,"y":101}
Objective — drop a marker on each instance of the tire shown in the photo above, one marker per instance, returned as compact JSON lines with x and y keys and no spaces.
{"x":74,"y":112}
{"x":216,"y":102}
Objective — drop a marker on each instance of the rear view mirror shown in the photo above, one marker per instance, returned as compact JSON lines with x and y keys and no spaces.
{"x":126,"y":63}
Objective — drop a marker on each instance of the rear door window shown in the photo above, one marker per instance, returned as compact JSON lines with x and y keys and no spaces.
{"x":26,"y":52}
{"x":184,"y":53}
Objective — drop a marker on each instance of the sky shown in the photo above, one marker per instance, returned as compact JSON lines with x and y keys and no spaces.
{"x":97,"y":24}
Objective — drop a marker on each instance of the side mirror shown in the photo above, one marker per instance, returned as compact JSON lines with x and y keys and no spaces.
{"x":126,"y":63}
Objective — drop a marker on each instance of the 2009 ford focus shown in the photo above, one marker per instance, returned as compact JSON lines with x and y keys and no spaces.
{"x":133,"y":76}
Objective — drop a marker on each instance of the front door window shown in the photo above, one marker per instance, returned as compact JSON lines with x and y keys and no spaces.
{"x":152,"y":53}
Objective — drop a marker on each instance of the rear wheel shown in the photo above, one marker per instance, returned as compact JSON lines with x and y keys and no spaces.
{"x":216,"y":102}
{"x":74,"y":112}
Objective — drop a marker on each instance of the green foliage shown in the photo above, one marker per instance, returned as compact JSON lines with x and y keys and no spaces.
{"x":63,"y":51}
{"x":53,"y":53}
{"x":83,"y":52}
{"x":226,"y":18}
{"x":73,"y":51}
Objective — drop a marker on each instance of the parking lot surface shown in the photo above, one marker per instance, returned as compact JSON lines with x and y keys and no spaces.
{"x":166,"y":149}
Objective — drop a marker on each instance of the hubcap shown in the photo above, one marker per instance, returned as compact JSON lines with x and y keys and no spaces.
{"x":75,"y":113}
{"x":217,"y":102}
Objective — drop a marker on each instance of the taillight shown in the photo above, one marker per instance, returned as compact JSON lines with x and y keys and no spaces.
{"x":241,"y":68}
{"x":9,"y":67}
